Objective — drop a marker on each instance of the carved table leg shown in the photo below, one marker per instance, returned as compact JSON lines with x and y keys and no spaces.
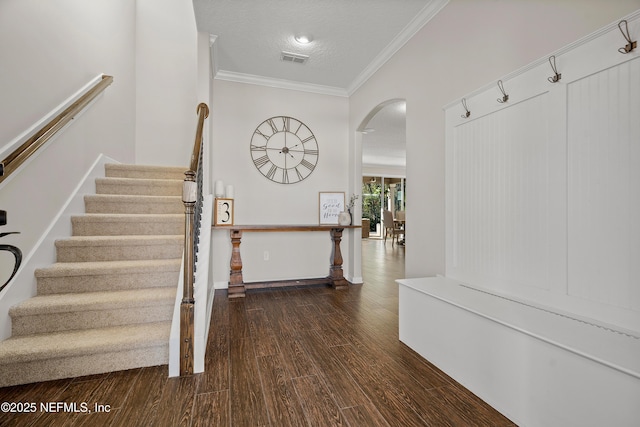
{"x":335,"y":271}
{"x":236,"y":282}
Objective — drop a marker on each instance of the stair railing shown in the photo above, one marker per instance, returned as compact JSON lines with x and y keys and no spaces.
{"x":20,"y":155}
{"x":192,"y":199}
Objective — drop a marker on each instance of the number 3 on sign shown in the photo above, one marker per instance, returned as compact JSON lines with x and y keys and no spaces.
{"x":223,"y":212}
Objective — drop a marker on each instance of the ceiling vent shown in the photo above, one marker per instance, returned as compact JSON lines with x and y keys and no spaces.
{"x":293,"y":57}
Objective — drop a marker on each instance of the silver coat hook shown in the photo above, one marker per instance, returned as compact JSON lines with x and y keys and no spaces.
{"x":557,"y":76}
{"x":468,"y":113}
{"x":630,"y":44}
{"x":505,"y":97}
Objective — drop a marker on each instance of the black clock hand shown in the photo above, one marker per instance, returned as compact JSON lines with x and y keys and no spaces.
{"x":286,"y":151}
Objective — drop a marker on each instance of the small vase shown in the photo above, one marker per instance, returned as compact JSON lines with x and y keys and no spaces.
{"x":344,"y":218}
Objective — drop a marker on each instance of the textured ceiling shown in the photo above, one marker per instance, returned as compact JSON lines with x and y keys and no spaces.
{"x":349,"y":36}
{"x":351,"y":40}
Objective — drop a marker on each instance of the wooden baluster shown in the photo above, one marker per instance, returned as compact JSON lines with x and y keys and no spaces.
{"x":188,"y":302}
{"x":236,"y":282}
{"x":335,"y":271}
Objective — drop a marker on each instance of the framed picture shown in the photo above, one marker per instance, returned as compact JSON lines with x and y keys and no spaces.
{"x":223,"y":211}
{"x":329,"y":206}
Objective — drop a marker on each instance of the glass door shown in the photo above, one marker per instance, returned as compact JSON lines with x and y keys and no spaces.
{"x":395,"y":192}
{"x":372,"y":204}
{"x":380,"y":193}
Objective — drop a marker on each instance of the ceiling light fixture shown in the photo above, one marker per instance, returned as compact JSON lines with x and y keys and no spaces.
{"x":303,"y":39}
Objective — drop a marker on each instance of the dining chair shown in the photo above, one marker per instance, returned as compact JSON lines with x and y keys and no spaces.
{"x":390,"y":227}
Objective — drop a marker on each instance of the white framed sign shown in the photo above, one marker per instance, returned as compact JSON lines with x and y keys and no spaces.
{"x":223,"y":211}
{"x":330,"y":204}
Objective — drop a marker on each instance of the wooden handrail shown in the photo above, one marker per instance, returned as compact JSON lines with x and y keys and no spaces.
{"x":192,"y":199}
{"x":203,"y":113}
{"x":13,"y":161}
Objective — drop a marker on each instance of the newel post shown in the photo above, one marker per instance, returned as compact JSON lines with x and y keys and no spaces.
{"x":189,"y":197}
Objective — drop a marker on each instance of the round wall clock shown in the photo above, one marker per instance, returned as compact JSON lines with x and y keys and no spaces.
{"x":284,"y":150}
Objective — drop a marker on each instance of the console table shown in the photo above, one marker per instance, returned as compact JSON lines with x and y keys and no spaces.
{"x":237,"y":285}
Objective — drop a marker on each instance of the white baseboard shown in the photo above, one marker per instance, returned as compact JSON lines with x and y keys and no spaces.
{"x":221,"y":285}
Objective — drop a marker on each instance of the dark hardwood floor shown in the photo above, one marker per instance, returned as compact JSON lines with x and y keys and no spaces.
{"x":288,"y":357}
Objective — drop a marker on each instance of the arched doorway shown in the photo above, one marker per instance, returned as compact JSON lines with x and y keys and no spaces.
{"x":383,"y":142}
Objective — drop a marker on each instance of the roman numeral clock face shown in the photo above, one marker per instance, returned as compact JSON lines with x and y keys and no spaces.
{"x":284,"y":150}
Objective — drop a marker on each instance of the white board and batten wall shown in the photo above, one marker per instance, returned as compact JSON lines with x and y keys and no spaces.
{"x":543,"y":220}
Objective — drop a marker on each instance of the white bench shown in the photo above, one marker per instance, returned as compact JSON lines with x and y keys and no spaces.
{"x":536,"y":366}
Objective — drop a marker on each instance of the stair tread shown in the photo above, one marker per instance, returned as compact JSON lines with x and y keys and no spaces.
{"x":124,"y":166}
{"x":134,"y":204}
{"x":62,"y":269}
{"x":72,"y":343}
{"x":93,"y":301}
{"x":137,"y":181}
{"x":118,"y":239}
{"x":142,"y":166}
{"x":120,"y":217}
{"x":134,"y":198}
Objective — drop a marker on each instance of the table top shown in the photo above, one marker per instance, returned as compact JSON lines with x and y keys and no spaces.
{"x":287,"y":227}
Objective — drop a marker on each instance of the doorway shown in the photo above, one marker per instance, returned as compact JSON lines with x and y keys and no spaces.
{"x":381,"y":193}
{"x":383,"y":164}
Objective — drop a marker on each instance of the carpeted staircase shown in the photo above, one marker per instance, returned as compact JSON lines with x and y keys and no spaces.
{"x":107,"y":303}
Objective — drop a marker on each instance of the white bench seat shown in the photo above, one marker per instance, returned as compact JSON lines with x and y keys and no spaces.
{"x":535,"y":365}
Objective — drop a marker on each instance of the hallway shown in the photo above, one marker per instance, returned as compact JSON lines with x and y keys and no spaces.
{"x":283,"y":357}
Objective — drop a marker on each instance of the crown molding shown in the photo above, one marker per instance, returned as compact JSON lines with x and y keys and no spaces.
{"x":420,"y":20}
{"x":279,"y":83}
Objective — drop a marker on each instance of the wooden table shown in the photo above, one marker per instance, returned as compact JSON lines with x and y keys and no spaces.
{"x":237,"y":285}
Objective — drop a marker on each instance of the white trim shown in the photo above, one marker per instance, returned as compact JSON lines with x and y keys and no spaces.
{"x":356,"y":280}
{"x":279,"y":83}
{"x":220,"y":285}
{"x":420,"y":20}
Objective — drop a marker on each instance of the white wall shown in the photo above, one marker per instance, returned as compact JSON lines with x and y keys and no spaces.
{"x":40,"y":69}
{"x":237,"y":110}
{"x":467,"y":45}
{"x":205,"y":83}
{"x":167,"y":80}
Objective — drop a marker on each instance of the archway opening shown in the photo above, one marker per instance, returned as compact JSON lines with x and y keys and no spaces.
{"x":383,"y":166}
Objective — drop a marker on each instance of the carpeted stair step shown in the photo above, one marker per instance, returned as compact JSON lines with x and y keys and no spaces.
{"x":115,"y":248}
{"x":131,"y":186}
{"x":144,"y":171}
{"x":127,"y":224}
{"x":48,"y":357}
{"x":71,"y":277}
{"x":107,"y":304}
{"x":66,"y":312}
{"x":124,"y":204}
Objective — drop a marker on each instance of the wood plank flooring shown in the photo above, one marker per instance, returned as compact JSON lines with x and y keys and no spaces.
{"x":287,"y":357}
